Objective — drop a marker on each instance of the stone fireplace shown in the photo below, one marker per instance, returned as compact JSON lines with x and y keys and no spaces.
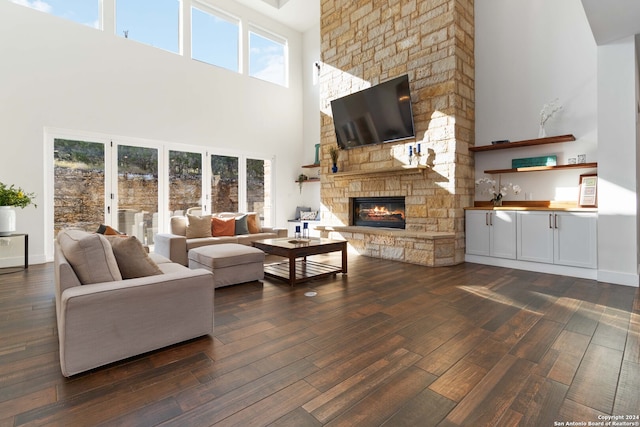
{"x":363,"y":44}
{"x":386,"y":212}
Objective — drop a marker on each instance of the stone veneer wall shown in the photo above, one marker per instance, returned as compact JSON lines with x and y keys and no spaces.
{"x":366,"y":42}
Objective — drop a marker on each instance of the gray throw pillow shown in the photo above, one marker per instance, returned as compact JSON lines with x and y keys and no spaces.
{"x":242,"y":227}
{"x":90,"y":255}
{"x":133,"y":260}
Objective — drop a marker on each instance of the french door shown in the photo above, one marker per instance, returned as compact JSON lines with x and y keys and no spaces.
{"x":106,"y":182}
{"x":135,"y":185}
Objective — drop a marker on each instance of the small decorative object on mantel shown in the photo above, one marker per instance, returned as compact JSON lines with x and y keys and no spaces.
{"x":415,"y":152}
{"x":496,"y":190}
{"x":334,"y":152}
{"x":547,"y":112}
{"x":11,"y":198}
{"x":500,"y":141}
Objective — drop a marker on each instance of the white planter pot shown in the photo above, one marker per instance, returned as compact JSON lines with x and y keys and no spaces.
{"x":7,"y":220}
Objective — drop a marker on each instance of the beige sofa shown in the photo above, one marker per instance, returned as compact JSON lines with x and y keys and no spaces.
{"x":114,"y":318}
{"x":176,"y":244}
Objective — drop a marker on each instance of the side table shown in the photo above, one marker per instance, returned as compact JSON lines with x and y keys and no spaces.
{"x":26,"y":251}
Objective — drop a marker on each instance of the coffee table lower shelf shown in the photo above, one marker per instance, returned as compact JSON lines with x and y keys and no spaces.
{"x":305,"y":270}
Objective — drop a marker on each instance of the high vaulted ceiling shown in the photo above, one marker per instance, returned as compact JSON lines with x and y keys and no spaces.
{"x":612,"y":19}
{"x":609,"y":19}
{"x":300,"y":15}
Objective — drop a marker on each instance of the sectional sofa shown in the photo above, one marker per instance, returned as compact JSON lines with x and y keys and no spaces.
{"x":193,"y":231}
{"x":114,"y":301}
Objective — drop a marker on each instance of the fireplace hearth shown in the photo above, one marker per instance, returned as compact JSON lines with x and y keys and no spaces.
{"x":386,"y":212}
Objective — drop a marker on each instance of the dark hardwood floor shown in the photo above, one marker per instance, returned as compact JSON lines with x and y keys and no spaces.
{"x":390,"y":344}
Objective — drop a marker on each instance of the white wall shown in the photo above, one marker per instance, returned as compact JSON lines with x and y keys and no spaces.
{"x":57,"y":73}
{"x":527,"y":54}
{"x":310,"y":195}
{"x":617,"y":180}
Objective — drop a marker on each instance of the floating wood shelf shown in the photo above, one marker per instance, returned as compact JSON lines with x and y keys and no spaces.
{"x":542,"y":168}
{"x":308,"y":180}
{"x":397,"y":169}
{"x":525,"y":143}
{"x":315,"y":165}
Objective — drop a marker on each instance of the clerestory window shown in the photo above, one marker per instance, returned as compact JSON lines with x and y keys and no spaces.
{"x":268,"y":56}
{"x":156,"y":24}
{"x":81,"y":11}
{"x":215,"y":38}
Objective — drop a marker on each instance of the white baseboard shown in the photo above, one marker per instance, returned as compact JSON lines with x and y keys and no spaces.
{"x":614,"y":277}
{"x":583,"y":273}
{"x":18,"y":261}
{"x":618,"y":278}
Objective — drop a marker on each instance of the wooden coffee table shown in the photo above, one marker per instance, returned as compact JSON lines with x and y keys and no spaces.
{"x":297,"y":268}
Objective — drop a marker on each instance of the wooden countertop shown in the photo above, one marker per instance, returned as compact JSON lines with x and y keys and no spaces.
{"x":531,"y":205}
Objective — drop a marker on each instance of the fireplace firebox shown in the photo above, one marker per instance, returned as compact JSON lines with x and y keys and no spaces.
{"x":378,"y":212}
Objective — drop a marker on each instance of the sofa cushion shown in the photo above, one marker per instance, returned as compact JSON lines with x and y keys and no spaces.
{"x":198,"y":226}
{"x":223,"y":226}
{"x":90,"y":256}
{"x":253,"y":223}
{"x":133,"y":260}
{"x":179,"y":225}
{"x":241,"y":225}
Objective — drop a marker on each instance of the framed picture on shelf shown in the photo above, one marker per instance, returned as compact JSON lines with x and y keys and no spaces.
{"x":588,"y":197}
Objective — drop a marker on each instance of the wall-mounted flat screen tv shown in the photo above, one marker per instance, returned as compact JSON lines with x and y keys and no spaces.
{"x":381,"y":113}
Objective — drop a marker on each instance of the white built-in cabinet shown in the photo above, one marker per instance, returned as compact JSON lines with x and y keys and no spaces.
{"x":491,"y":233}
{"x":561,"y":238}
{"x":557,"y":237}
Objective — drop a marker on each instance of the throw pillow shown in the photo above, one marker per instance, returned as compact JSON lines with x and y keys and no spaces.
{"x":300,"y":209}
{"x":198,"y":226}
{"x":133,"y":260}
{"x":107,"y":230}
{"x":223,"y":227}
{"x":253,"y":223}
{"x":308,"y":215}
{"x":90,"y":256}
{"x":241,"y":225}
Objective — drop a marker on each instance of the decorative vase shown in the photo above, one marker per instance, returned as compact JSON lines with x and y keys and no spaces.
{"x":541,"y":132}
{"x":334,"y":168}
{"x":7,"y":220}
{"x":497,"y":202}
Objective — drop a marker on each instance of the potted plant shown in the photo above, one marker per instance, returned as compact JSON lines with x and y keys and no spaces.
{"x":301,"y":179}
{"x":334,"y":152}
{"x":11,"y":198}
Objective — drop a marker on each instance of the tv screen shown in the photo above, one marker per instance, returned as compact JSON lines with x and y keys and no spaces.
{"x":381,"y":113}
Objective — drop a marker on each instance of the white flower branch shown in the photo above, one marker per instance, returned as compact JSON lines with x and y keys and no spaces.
{"x":548,"y":110}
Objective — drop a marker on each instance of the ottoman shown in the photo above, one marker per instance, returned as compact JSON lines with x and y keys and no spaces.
{"x":230,"y":263}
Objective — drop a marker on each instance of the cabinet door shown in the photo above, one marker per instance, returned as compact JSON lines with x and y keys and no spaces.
{"x":575,"y":239}
{"x":503,"y":234}
{"x":477,"y":232}
{"x":535,"y":236}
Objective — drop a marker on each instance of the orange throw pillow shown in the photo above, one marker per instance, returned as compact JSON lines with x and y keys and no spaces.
{"x":252,"y":223}
{"x":110,"y":231}
{"x":223,"y":227}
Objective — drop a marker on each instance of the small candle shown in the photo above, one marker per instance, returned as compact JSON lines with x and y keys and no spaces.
{"x":305,"y":225}
{"x":418,"y":150}
{"x":297,"y":228}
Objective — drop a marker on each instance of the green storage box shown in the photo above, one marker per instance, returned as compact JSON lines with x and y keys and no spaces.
{"x":534,"y":161}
